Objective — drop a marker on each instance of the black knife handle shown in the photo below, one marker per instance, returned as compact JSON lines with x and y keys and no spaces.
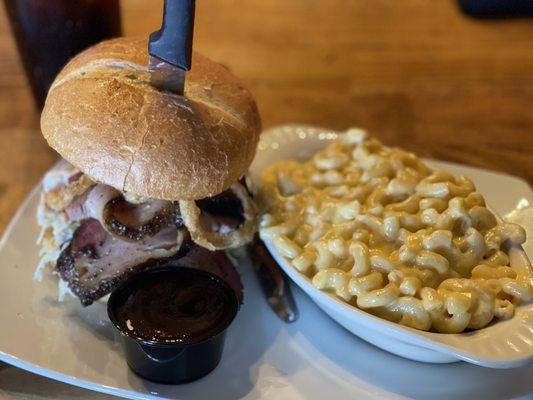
{"x":497,"y":8}
{"x":173,"y":42}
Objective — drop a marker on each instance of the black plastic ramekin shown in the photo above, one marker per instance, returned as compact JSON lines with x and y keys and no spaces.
{"x":169,"y":362}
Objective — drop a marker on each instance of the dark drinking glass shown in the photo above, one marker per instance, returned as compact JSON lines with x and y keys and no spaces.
{"x":50,"y":32}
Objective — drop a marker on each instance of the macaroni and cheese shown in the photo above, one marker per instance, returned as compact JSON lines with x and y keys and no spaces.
{"x":384,"y":232}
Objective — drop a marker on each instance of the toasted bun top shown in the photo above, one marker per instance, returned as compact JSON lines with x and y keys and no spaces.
{"x":103,"y":117}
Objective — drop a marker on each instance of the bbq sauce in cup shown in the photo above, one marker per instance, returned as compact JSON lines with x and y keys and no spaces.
{"x":189,"y":307}
{"x":173,"y":322}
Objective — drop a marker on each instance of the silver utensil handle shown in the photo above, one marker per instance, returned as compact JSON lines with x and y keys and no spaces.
{"x":273,"y":281}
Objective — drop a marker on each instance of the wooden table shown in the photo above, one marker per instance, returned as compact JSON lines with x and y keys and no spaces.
{"x":417,"y":74}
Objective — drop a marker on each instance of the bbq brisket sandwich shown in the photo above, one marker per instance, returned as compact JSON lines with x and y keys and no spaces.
{"x":148,"y":177}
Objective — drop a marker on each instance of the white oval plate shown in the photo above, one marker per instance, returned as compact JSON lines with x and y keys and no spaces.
{"x":264,"y":358}
{"x":505,"y":344}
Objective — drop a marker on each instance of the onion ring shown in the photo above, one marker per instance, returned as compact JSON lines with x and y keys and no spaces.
{"x":60,"y":197}
{"x":190,"y":213}
{"x":165,"y":214}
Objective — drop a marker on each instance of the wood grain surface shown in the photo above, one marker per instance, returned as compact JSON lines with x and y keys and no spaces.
{"x":415,"y":73}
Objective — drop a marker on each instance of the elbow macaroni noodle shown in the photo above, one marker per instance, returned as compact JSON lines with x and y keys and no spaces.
{"x":382,"y":231}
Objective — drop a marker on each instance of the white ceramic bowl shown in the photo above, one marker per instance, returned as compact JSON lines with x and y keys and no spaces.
{"x":504,"y":344}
